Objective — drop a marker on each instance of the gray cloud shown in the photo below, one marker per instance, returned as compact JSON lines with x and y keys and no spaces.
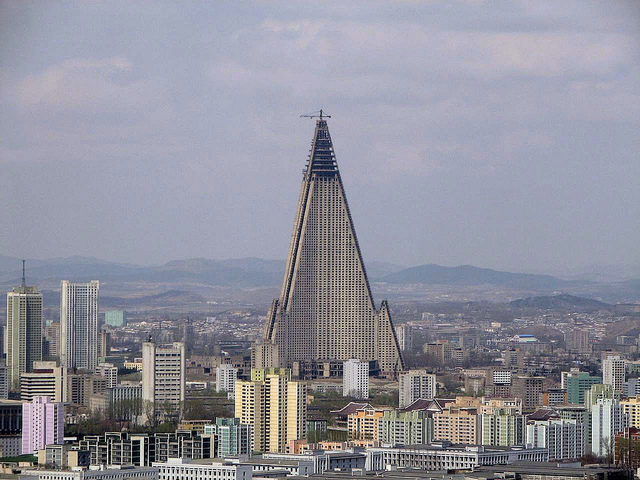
{"x":503,"y":135}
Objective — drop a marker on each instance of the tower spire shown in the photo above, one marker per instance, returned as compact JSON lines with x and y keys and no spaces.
{"x":24,"y":278}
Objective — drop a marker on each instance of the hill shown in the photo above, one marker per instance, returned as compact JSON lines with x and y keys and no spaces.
{"x":467,"y":275}
{"x":563,"y":302}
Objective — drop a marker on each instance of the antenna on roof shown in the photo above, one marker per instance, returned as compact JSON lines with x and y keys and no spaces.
{"x":24,"y":279}
{"x":320,"y":114}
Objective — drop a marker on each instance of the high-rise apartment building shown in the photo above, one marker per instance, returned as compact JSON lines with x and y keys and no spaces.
{"x":124,"y":402}
{"x":577,"y":340}
{"x":326,"y":310}
{"x":296,"y":411}
{"x":457,"y":425}
{"x":416,"y":384}
{"x":226,"y":375}
{"x":24,"y":331}
{"x":405,"y":427}
{"x":529,"y":389}
{"x":577,"y":384}
{"x":42,"y":424}
{"x":502,"y":427}
{"x":52,"y":335}
{"x":46,"y":380}
{"x":363,"y":424}
{"x":104,"y":344}
{"x":355,"y":379}
{"x":614,"y":372}
{"x":110,"y":372}
{"x":405,"y":337}
{"x":274,"y":406}
{"x":79,"y":325}
{"x":80,"y":387}
{"x":4,"y":381}
{"x":163,"y":380}
{"x":607,"y":420}
{"x":565,"y":439}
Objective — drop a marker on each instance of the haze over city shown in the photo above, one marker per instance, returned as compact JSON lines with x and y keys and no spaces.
{"x":499,"y":135}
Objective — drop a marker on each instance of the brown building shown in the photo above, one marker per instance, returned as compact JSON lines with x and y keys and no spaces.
{"x":529,"y":389}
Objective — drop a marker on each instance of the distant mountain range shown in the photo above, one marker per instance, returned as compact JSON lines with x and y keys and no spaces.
{"x":258,"y":272}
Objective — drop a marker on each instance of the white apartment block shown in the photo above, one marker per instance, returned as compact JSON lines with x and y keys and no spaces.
{"x":416,"y":384}
{"x":404,"y":333}
{"x":614,"y":372}
{"x":185,"y":469}
{"x":163,"y":379}
{"x":110,"y":372}
{"x":226,"y":376}
{"x":79,"y":325}
{"x":355,"y":379}
{"x":607,"y":419}
{"x":565,"y":439}
{"x":501,"y":377}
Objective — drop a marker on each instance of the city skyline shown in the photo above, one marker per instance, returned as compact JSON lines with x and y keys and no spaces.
{"x":460,"y":296}
{"x":494,"y":142}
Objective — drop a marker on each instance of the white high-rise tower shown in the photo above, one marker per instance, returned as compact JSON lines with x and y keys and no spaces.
{"x":79,"y":325}
{"x":325,"y":310}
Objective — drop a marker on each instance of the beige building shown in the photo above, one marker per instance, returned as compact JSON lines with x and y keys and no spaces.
{"x":296,"y":411}
{"x":163,"y":380}
{"x":456,"y":424}
{"x":46,"y":380}
{"x":631,"y":406}
{"x":250,"y":409}
{"x":326,"y":310}
{"x":363,"y":424}
{"x":274,"y":406}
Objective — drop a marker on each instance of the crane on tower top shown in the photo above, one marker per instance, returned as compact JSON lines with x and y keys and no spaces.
{"x":319,"y":114}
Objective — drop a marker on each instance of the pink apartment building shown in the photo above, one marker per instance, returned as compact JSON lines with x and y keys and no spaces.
{"x":42,"y":424}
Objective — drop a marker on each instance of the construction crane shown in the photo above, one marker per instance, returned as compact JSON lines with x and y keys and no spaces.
{"x":320,"y":114}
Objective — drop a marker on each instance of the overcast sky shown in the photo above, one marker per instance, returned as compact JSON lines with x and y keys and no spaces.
{"x":499,"y":134}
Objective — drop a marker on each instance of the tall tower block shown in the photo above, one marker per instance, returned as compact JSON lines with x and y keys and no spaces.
{"x":325,"y":311}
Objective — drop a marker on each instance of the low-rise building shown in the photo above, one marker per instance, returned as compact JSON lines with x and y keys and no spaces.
{"x":184,"y":469}
{"x":122,"y":473}
{"x":443,"y":457}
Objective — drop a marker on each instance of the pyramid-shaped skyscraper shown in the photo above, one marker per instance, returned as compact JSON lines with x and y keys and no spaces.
{"x":325,"y":311}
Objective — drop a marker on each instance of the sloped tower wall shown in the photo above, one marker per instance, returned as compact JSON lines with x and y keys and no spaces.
{"x":325,"y":310}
